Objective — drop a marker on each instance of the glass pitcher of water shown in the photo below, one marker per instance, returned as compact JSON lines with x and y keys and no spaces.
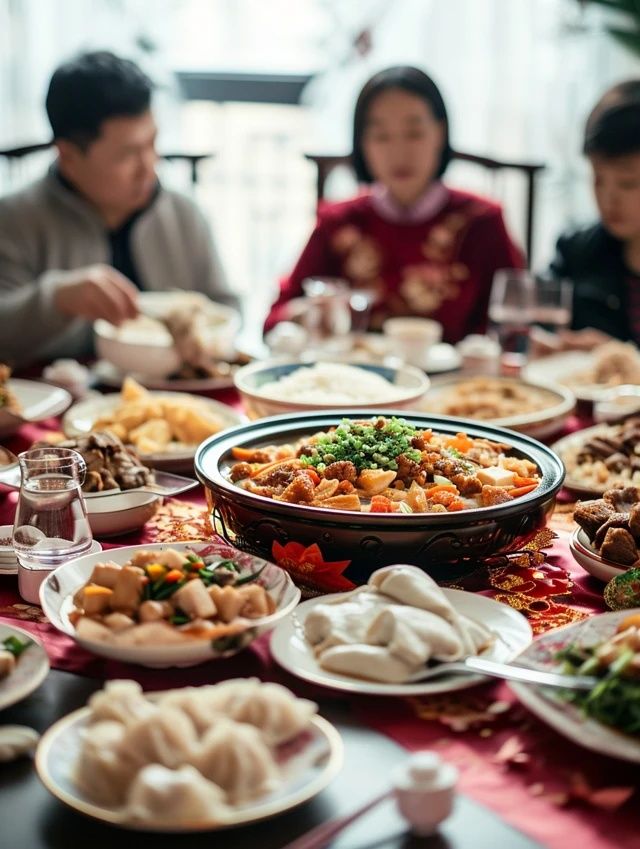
{"x":51,"y":524}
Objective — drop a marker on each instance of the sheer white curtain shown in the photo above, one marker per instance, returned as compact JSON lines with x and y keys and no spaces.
{"x":518,"y":76}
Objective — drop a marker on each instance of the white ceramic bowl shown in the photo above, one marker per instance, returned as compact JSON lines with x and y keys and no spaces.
{"x":410,"y":383}
{"x":110,"y":515}
{"x":56,"y":598}
{"x":592,"y":562}
{"x":144,"y":346}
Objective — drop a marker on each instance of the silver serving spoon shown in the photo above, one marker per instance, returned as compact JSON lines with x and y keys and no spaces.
{"x":506,"y":671}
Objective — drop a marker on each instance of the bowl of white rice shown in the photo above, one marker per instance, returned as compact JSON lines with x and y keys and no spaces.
{"x":280,"y":386}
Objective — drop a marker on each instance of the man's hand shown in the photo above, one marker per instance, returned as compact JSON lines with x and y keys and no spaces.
{"x":97,"y":291}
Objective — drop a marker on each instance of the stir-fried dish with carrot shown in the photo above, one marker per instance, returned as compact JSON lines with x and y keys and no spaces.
{"x":385,"y":465}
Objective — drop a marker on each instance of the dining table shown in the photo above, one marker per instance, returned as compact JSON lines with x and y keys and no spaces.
{"x":521,"y":784}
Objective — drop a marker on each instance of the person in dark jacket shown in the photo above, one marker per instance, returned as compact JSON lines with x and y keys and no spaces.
{"x":603,"y":260}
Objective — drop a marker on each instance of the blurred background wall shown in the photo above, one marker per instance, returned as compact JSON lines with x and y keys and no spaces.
{"x":259,"y":84}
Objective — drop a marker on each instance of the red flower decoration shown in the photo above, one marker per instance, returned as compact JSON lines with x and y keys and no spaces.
{"x":307,"y":565}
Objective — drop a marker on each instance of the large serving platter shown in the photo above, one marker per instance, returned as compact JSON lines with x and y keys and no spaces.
{"x":563,"y":447}
{"x":364,"y":541}
{"x":559,"y":403}
{"x":565,"y":368}
{"x":30,"y":671}
{"x":308,"y":771}
{"x":512,"y":635}
{"x":80,"y":419}
{"x":565,"y":718}
{"x":37,"y":401}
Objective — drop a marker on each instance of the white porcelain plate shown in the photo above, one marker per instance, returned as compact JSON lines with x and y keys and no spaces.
{"x":308,"y":769}
{"x":565,"y":718}
{"x":586,"y":555}
{"x":558,"y":404}
{"x":512,"y":634}
{"x":567,"y":447}
{"x":30,"y":671}
{"x":80,"y":419}
{"x":57,"y":591}
{"x":109,"y":375}
{"x":566,"y":368}
{"x":37,"y":401}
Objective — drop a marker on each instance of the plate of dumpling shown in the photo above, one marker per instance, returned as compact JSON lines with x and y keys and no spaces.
{"x":378,"y":638}
{"x":167,"y":605}
{"x":192,"y":759}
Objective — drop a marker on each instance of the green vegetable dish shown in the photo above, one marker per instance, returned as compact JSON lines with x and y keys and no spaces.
{"x":615,"y":700}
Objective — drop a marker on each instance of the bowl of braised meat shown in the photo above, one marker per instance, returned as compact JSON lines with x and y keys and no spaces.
{"x":333,"y":496}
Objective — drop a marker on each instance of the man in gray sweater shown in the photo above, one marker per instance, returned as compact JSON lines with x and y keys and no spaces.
{"x":80,"y":243}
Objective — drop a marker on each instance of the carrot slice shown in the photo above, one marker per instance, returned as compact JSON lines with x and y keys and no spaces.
{"x":381,"y":504}
{"x":519,"y":481}
{"x":522,"y":490}
{"x":441,"y":487}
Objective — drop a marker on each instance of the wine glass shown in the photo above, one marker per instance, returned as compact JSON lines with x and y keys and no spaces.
{"x":553,"y":303}
{"x":511,"y":314}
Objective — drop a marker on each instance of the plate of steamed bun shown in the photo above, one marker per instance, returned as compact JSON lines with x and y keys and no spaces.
{"x":379,"y":637}
{"x":191,"y":759}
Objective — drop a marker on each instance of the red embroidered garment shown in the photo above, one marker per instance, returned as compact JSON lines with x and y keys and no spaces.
{"x":442,"y":267}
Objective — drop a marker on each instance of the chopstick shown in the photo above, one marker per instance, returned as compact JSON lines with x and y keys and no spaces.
{"x":322,"y":834}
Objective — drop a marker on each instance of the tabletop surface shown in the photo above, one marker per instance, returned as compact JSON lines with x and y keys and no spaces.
{"x":32,"y":819}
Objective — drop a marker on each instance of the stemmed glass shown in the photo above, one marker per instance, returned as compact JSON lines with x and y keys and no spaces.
{"x":511,"y":311}
{"x":519,"y":300}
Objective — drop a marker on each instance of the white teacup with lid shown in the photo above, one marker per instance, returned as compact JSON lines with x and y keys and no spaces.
{"x":424,"y":788}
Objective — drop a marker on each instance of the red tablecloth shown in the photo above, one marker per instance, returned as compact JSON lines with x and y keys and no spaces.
{"x":542,"y":784}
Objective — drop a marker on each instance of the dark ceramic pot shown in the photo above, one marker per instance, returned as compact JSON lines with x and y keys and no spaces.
{"x":444,"y":544}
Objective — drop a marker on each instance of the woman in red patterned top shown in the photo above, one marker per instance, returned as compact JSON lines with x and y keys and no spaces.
{"x":423,"y":248}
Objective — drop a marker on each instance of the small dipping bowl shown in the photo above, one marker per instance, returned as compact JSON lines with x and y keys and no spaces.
{"x":617,"y":403}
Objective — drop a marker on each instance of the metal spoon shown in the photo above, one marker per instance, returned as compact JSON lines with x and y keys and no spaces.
{"x":508,"y":672}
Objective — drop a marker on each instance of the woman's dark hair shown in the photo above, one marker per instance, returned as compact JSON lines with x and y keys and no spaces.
{"x":92,"y":88}
{"x":613,"y":127}
{"x":407,"y":79}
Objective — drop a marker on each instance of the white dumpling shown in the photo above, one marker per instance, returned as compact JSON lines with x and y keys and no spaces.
{"x":475,"y":637}
{"x":341,"y":623}
{"x":272,"y":709}
{"x":120,"y":700}
{"x":410,"y":585}
{"x":100,"y":773}
{"x":166,"y":737}
{"x":440,"y":639}
{"x":175,"y":797}
{"x":196,"y":703}
{"x":361,"y":661}
{"x":235,"y":757}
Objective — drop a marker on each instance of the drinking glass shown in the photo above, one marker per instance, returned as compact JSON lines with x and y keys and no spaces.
{"x":327,"y":319}
{"x":511,"y":314}
{"x":553,"y":303}
{"x":51,"y":524}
